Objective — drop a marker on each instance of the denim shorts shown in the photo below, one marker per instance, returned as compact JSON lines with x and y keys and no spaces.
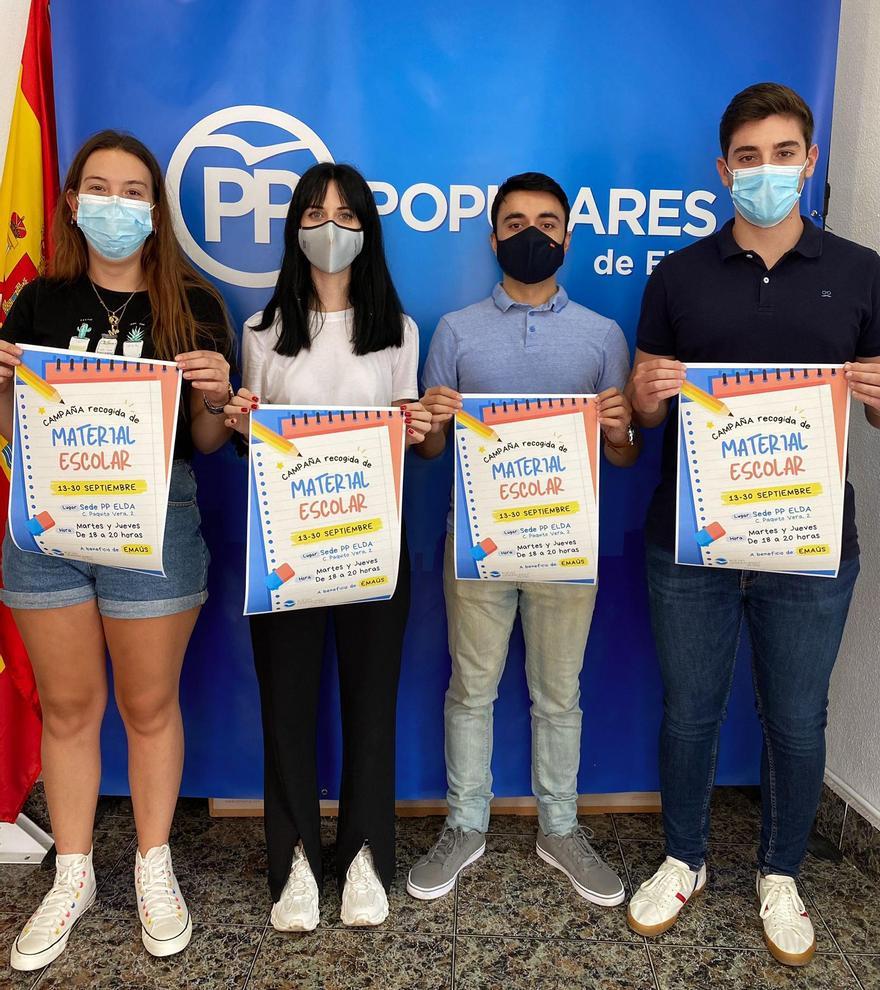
{"x":34,"y":580}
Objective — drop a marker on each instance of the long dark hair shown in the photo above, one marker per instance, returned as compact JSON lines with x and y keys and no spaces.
{"x":378,"y":316}
{"x":167,"y":272}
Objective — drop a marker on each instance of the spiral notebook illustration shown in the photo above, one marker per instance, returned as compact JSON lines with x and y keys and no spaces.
{"x":324,"y":506}
{"x":762,"y":461}
{"x":93,"y":447}
{"x":527,"y":488}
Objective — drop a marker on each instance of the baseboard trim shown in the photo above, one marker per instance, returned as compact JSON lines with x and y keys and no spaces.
{"x":625,"y":802}
{"x":854,"y":800}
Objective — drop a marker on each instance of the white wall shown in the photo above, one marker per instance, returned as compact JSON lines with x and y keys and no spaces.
{"x":854,"y":212}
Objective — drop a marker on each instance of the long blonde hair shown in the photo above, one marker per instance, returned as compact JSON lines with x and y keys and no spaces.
{"x":166,"y":271}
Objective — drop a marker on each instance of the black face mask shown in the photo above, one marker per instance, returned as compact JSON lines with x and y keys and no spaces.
{"x":530,"y":256}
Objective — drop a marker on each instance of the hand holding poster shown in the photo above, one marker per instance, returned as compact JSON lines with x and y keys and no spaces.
{"x":527,"y":488}
{"x":324,"y":506}
{"x":93,"y":446}
{"x":761,"y":465}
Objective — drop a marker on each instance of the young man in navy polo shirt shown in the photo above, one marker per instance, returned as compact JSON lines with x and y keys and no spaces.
{"x":527,"y":337}
{"x":768,"y":288}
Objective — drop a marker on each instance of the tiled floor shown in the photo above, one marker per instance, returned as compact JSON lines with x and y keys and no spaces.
{"x":512,"y":922}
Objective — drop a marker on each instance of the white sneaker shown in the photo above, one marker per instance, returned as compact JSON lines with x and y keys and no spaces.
{"x":166,"y":926}
{"x":297,"y":909}
{"x":654,"y":907}
{"x":45,"y":935}
{"x":788,"y":930}
{"x":364,"y":901}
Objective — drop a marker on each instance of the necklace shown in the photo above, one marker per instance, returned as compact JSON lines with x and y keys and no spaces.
{"x":113,"y":315}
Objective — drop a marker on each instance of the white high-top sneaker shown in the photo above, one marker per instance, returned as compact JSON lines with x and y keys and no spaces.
{"x":364,"y":901}
{"x":297,"y":909}
{"x":166,"y":926}
{"x":788,"y":930}
{"x":654,"y":907}
{"x":45,"y":935}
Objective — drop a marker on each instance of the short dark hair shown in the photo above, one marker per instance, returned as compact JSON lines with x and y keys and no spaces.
{"x":764,"y":100}
{"x":529,"y":182}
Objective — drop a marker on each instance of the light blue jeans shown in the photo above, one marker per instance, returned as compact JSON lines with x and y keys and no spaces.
{"x":556,"y":621}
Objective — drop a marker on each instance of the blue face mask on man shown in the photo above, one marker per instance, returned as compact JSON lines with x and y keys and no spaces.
{"x":114,"y":226}
{"x":766,"y":194}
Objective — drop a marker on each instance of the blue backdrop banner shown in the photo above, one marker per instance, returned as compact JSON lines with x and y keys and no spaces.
{"x":437,"y":105}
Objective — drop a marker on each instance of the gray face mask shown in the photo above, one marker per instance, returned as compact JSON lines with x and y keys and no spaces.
{"x":329,"y":247}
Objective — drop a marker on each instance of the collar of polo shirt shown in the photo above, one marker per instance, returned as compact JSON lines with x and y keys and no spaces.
{"x":557,"y":302}
{"x":808,"y":246}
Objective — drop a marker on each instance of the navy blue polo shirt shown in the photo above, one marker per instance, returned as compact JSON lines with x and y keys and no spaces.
{"x":715,"y":302}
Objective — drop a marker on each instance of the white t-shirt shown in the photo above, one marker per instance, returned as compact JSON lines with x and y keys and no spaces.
{"x":329,"y":371}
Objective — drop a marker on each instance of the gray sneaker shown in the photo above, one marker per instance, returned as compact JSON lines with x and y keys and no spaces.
{"x":435,"y":874}
{"x":579,"y":861}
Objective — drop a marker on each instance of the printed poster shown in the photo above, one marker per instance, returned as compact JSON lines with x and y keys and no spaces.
{"x":527,"y":488}
{"x":92,"y":452}
{"x":761,"y":468}
{"x":324,"y":506}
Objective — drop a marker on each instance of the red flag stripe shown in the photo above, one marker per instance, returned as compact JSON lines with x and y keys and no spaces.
{"x":38,"y":89}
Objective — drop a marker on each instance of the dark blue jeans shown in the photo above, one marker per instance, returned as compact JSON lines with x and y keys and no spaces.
{"x":795,"y":625}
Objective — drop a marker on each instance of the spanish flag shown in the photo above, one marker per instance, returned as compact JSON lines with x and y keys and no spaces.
{"x":28,"y":192}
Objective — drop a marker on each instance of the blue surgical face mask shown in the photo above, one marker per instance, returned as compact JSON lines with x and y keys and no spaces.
{"x":765,"y":195}
{"x":114,"y":226}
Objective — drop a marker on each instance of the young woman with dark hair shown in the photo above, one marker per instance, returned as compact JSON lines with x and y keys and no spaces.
{"x":118,"y":284}
{"x":332,"y":333}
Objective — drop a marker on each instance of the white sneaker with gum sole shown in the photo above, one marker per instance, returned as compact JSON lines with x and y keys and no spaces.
{"x":788,"y":930}
{"x":655,"y":906}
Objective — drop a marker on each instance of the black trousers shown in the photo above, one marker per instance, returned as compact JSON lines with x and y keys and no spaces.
{"x":288,"y":650}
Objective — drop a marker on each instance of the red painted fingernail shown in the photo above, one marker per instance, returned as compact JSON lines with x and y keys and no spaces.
{"x":412,"y":433}
{"x":255,"y":398}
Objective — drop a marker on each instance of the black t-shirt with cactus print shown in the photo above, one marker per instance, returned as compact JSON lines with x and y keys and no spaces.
{"x":70,"y":315}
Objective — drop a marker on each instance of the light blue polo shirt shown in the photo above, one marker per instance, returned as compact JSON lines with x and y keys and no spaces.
{"x":498,"y":346}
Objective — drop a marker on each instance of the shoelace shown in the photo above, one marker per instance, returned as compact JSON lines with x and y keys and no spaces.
{"x":158,"y":890}
{"x":450,"y":839}
{"x":54,"y":910}
{"x":669,"y":879}
{"x":783,"y":901}
{"x":361,"y":873}
{"x":581,"y":838}
{"x":298,"y":881}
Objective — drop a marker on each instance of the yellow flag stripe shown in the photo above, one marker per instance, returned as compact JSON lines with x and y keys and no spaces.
{"x":21,"y":191}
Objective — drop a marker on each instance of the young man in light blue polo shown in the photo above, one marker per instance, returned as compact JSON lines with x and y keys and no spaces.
{"x":527,"y":337}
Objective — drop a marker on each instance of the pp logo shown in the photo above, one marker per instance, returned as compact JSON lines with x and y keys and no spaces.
{"x":224,"y":191}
